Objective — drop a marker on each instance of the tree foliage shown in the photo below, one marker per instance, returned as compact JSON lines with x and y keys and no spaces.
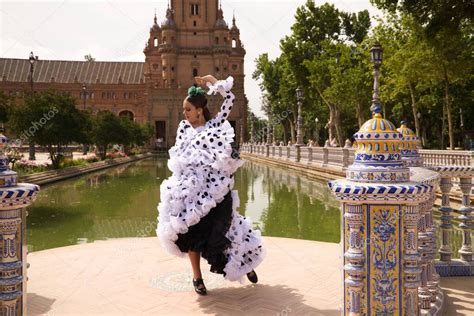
{"x":50,"y":120}
{"x":426,"y":74}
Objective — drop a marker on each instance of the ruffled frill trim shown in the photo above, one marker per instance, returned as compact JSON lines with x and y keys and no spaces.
{"x":209,"y":147}
{"x":220,"y":86}
{"x":247,"y":250}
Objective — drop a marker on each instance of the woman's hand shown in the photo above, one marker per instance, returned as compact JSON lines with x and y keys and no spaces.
{"x":203,"y":80}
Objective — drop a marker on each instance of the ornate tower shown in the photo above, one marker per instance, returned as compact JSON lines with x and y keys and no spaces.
{"x":153,"y":59}
{"x":193,"y":40}
{"x":236,"y":60}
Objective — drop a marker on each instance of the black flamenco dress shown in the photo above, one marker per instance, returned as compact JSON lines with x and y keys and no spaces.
{"x":208,"y":236}
{"x":198,"y":208}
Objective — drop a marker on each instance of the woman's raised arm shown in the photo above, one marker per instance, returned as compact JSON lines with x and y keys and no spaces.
{"x":224,"y":88}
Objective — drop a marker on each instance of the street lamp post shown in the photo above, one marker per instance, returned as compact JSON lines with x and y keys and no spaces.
{"x":84,"y":97}
{"x":299,"y":132}
{"x":273,"y":134}
{"x":241,"y":131}
{"x":31,"y":146}
{"x":252,"y":130}
{"x":316,"y":138}
{"x":376,"y":57}
{"x":268,"y":132}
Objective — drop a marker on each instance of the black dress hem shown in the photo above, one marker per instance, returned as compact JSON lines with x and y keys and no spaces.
{"x":208,"y":236}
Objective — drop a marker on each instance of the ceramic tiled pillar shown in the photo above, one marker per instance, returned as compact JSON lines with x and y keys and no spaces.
{"x":381,"y":209}
{"x":14,"y":198}
{"x":429,"y":292}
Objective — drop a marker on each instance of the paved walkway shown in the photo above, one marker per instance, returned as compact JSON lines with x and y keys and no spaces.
{"x":459,"y":295}
{"x":134,"y":276}
{"x":42,"y":157}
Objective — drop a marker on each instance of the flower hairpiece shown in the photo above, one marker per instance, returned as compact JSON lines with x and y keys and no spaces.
{"x":194,"y":91}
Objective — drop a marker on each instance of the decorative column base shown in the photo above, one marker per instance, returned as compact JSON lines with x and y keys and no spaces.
{"x":436,"y":308}
{"x":14,"y":198}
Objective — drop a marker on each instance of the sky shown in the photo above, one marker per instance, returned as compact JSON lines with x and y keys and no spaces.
{"x":112,"y":30}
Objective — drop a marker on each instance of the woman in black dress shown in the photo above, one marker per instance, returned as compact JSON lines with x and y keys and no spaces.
{"x":198,"y":208}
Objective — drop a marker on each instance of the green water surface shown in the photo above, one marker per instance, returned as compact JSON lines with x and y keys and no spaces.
{"x":121,"y":202}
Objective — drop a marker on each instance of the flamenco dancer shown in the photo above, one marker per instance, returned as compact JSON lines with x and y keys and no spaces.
{"x":198,"y":208}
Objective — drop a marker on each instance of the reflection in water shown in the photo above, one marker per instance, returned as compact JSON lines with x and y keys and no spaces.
{"x":121,"y":202}
{"x":118,"y":202}
{"x":284,"y":204}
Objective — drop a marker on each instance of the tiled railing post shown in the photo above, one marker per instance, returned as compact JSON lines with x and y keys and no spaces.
{"x":433,"y":276}
{"x":14,"y":198}
{"x":381,"y":206}
{"x":447,"y":266}
{"x":466,"y":219}
{"x":411,"y":259}
{"x":355,"y":256}
{"x":424,"y":249}
{"x":446,"y":226}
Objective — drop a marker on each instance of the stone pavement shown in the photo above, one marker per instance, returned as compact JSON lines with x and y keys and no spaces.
{"x":44,"y":156}
{"x":134,"y":276}
{"x":459,"y":295}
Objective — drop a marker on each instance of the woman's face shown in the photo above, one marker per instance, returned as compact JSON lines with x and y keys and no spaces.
{"x":191,"y":112}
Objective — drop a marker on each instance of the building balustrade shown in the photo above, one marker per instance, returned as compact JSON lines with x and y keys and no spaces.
{"x":423,"y":260}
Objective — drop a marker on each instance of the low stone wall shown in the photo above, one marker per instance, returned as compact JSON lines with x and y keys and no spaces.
{"x":310,"y":170}
{"x":69,"y":172}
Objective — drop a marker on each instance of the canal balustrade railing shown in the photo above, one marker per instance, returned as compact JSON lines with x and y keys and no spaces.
{"x":430,"y":170}
{"x":344,"y":157}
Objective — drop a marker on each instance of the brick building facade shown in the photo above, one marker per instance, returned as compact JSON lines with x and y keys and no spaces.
{"x":193,"y":40}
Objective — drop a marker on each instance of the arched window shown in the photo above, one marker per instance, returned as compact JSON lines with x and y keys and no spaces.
{"x":164,"y":40}
{"x":234,"y":43}
{"x":217,"y":40}
{"x":195,"y":72}
{"x":127,"y":114}
{"x":155,"y":42}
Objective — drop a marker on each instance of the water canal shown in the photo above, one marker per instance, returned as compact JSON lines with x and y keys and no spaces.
{"x":121,"y":202}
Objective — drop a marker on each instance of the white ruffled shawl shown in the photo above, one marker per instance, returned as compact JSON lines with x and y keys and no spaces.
{"x":203,"y":167}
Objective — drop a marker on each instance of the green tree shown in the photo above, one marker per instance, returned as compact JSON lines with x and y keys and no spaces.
{"x":323,"y":54}
{"x":50,"y":120}
{"x":407,"y":67}
{"x":278,"y":86}
{"x":447,"y":28}
{"x":107,"y":129}
{"x":136,"y":134}
{"x":5,"y":107}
